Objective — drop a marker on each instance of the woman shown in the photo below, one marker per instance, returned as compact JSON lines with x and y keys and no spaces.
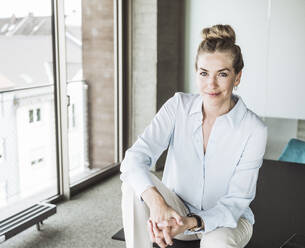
{"x":215,"y":149}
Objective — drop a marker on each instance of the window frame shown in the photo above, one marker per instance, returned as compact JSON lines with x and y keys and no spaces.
{"x":65,"y":189}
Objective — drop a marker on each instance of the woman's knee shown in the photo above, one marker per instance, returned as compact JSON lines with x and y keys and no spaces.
{"x":130,"y":198}
{"x":218,"y":238}
{"x":128,"y":195}
{"x":126,"y":188}
{"x":213,"y":240}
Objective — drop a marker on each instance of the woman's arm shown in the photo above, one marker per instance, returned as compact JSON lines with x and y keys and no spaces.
{"x":143,"y":155}
{"x":150,"y":144}
{"x":242,"y":186}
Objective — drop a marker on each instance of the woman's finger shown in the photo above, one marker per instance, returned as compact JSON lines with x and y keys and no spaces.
{"x":167,"y":237}
{"x":163,"y":224}
{"x":158,"y":235}
{"x":160,"y":242}
{"x":178,"y":218}
{"x":150,"y":231}
{"x":156,"y":230}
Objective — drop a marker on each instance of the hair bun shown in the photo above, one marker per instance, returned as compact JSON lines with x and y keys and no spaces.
{"x":223,"y":32}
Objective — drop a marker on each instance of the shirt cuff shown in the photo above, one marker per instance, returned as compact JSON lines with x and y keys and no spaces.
{"x":212,"y":219}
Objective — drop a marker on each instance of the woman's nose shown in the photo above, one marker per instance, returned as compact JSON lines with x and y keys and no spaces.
{"x":212,"y":81}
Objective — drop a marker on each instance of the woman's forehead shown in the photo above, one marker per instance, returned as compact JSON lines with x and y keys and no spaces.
{"x":214,"y":61}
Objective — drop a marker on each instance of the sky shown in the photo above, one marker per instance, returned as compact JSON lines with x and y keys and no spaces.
{"x":39,"y":8}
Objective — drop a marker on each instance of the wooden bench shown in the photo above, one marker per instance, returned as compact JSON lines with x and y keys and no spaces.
{"x":17,"y":223}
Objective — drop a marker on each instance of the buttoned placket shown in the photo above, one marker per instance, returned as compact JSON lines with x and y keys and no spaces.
{"x":203,"y":160}
{"x":208,"y":154}
{"x":203,"y":165}
{"x":198,"y":143}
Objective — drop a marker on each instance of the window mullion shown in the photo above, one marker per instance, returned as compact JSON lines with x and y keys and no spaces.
{"x":61,"y":99}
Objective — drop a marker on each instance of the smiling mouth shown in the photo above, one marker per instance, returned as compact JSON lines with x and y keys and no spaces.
{"x":213,"y":94}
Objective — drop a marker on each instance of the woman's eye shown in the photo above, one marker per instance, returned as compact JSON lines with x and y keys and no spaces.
{"x":203,"y":73}
{"x":223,"y":74}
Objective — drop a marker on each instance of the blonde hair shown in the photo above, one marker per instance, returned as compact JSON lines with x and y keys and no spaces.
{"x":221,"y":38}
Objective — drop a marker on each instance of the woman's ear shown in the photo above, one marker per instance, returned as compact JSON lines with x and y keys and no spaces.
{"x":237,"y":78}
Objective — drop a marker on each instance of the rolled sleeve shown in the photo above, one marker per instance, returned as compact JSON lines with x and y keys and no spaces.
{"x":242,"y":186}
{"x":142,"y":156}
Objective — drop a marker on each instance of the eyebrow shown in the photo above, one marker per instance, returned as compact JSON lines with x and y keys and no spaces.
{"x":224,"y":69}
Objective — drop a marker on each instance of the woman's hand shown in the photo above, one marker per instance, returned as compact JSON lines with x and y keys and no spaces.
{"x":169,"y":230}
{"x":160,"y":212}
{"x":164,"y":238}
{"x":163,"y":214}
{"x":176,"y":229}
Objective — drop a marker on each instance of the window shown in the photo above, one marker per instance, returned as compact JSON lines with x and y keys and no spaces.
{"x":27,"y":174}
{"x":38,"y":114}
{"x":73,"y":115}
{"x":31,"y":116}
{"x":37,"y":162}
{"x":89,"y":44}
{"x":27,"y":95}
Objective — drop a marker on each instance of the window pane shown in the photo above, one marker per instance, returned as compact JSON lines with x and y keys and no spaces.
{"x":28,"y":171}
{"x":90,"y":73}
{"x":73,"y":30}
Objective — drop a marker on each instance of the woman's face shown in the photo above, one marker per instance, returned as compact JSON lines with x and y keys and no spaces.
{"x":216,"y":77}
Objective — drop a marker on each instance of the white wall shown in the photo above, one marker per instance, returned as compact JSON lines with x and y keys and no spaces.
{"x":286,"y":83}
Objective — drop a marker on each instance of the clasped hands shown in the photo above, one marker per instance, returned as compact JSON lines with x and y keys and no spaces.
{"x":165,"y":223}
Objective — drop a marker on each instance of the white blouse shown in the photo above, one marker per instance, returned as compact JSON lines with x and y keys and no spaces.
{"x":218,"y":185}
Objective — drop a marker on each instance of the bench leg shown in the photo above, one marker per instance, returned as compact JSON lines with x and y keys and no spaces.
{"x":38,"y":226}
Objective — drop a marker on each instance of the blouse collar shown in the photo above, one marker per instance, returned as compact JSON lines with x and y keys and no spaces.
{"x":234,"y":116}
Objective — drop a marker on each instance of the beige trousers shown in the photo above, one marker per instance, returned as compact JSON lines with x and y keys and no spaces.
{"x":136,"y":213}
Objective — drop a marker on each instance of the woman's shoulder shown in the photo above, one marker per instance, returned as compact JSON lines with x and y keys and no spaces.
{"x":255,"y":119}
{"x":248,"y":117}
{"x":255,"y":124}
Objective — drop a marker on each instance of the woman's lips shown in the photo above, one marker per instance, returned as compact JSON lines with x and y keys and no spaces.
{"x":213,"y":94}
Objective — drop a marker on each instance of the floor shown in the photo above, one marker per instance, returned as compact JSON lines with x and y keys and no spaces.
{"x":88,"y":220}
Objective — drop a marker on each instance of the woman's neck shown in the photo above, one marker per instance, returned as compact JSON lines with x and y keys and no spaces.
{"x":212,"y":112}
